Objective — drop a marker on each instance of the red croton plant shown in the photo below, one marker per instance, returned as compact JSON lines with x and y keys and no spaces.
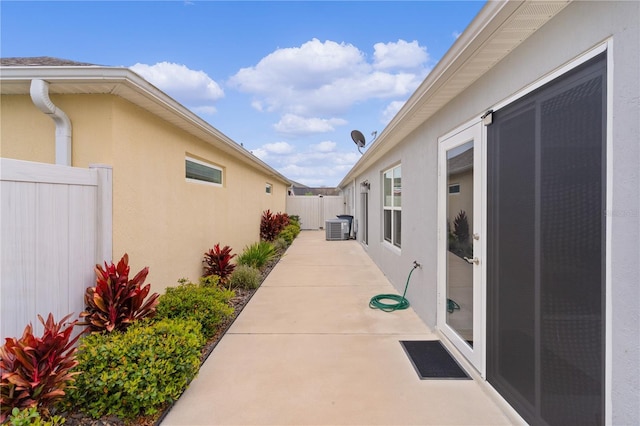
{"x":116,"y":302}
{"x":36,"y":370}
{"x":217,"y":261}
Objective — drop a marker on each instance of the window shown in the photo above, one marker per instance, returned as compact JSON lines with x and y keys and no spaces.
{"x":268,"y":187}
{"x":200,"y":171}
{"x":392,"y":205}
{"x":454,"y":188}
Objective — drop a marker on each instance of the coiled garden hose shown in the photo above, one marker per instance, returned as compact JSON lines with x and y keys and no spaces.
{"x":398,"y":302}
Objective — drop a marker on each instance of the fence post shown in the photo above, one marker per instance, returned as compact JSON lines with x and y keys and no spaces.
{"x":104,"y":208}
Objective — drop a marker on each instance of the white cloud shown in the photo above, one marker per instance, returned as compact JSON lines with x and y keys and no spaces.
{"x":194,"y":89}
{"x":456,"y":34}
{"x":320,"y":79}
{"x":400,"y":55}
{"x":390,"y":111}
{"x":318,"y":165}
{"x":278,"y":148}
{"x":292,"y":124}
{"x":325,"y":146}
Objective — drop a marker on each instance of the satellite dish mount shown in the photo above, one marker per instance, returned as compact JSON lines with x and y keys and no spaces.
{"x":359,"y":140}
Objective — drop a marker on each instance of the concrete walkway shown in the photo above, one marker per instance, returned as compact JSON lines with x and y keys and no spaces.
{"x":308,"y":350}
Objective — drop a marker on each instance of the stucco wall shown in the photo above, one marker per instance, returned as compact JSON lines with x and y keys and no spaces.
{"x":575,"y":30}
{"x":159,"y":219}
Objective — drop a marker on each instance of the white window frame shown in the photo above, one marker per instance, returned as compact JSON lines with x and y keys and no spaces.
{"x":392,"y":208}
{"x":268,"y":189}
{"x":209,"y":165}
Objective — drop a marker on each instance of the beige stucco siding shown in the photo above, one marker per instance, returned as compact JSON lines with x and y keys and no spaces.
{"x":159,"y":218}
{"x":25,"y":133}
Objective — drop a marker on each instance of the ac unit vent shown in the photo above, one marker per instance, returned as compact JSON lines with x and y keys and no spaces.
{"x":337,"y":229}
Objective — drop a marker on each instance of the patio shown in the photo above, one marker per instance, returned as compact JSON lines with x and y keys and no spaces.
{"x":307,"y":349}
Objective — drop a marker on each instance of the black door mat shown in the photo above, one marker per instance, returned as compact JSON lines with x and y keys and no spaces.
{"x":432,"y":360}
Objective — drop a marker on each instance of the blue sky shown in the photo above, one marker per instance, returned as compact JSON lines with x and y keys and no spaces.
{"x":289,"y":80}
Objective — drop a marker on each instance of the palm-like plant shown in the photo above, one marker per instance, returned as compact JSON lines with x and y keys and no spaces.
{"x":116,"y":302}
{"x":36,"y":370}
{"x":218,"y":262}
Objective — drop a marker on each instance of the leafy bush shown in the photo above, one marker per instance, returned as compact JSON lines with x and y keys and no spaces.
{"x":31,"y":417}
{"x":295,"y":227}
{"x":116,"y":302}
{"x":280,"y":244}
{"x":207,"y":305}
{"x":246,"y":276}
{"x":272,"y":224}
{"x":36,"y":370}
{"x":294,"y":218}
{"x":287,"y":235}
{"x":138,"y":371}
{"x":218,"y":262}
{"x":257,"y":254}
{"x":207,"y":281}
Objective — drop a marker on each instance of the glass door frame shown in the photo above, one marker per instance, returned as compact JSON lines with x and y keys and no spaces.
{"x":476,"y":132}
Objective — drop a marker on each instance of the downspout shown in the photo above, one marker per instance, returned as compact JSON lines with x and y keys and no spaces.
{"x":40,"y":97}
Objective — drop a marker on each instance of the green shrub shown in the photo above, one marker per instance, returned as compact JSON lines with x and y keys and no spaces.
{"x":280,"y":244}
{"x":207,"y":281}
{"x":246,"y":277}
{"x":294,"y":218}
{"x":208,"y":305}
{"x":31,"y":417}
{"x":295,"y":227}
{"x":257,"y":254}
{"x":138,"y":371}
{"x":288,"y":235}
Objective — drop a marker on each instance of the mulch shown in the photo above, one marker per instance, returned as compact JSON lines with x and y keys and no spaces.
{"x":238,"y":302}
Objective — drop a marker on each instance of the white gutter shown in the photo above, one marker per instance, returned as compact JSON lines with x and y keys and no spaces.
{"x":40,"y":97}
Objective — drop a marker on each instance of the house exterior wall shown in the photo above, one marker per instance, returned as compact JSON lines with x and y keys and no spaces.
{"x":575,"y":30}
{"x":159,"y":219}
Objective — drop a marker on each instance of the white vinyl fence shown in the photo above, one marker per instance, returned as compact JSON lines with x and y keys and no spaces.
{"x":56,"y":224}
{"x":315,"y":210}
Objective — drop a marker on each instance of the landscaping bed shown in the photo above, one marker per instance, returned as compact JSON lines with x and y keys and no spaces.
{"x":238,"y":302}
{"x":139,"y":351}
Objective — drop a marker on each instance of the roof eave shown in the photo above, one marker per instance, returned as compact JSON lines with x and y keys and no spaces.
{"x":472,"y":53}
{"x":131,"y":86}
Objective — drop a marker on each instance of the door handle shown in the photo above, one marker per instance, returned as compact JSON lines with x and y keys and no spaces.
{"x":474,"y":261}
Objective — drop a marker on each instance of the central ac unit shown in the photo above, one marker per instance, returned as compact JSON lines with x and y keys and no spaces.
{"x":337,"y":229}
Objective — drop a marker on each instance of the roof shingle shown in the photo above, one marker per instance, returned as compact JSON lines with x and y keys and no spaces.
{"x":41,"y":61}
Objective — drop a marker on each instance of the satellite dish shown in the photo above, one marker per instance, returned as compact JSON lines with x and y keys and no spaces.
{"x":358,"y":138}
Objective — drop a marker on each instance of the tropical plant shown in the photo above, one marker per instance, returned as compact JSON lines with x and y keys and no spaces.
{"x":218,"y":262}
{"x":116,"y":302}
{"x":36,"y":370}
{"x":271,"y":224}
{"x":257,"y":254}
{"x":245,"y":276}
{"x":461,"y":227}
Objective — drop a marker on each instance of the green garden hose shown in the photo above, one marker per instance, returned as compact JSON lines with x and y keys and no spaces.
{"x":398,"y":302}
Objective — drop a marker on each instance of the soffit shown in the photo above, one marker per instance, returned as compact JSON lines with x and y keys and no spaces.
{"x":497,"y":30}
{"x":125,"y":83}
